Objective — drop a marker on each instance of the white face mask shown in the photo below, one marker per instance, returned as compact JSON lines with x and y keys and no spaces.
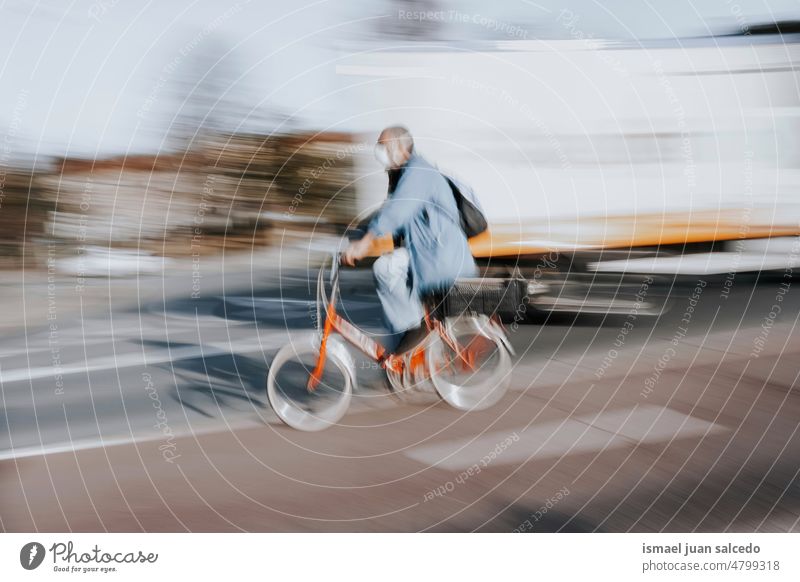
{"x":382,"y":155}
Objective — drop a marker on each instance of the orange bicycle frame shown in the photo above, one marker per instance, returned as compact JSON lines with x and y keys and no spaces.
{"x":371,"y":348}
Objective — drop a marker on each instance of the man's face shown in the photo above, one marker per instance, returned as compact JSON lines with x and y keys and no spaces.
{"x":390,"y":152}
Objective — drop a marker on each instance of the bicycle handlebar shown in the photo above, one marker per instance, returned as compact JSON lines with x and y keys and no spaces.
{"x":336,"y":262}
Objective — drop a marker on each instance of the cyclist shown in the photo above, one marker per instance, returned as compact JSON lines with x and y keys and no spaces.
{"x":421,"y":211}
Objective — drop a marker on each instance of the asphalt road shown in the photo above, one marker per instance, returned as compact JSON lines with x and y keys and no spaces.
{"x":148,"y":413}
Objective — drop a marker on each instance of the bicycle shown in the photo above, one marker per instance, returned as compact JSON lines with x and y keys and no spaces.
{"x":305,"y":399}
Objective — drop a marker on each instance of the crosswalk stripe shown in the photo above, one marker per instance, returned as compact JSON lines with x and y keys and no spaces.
{"x":642,"y":424}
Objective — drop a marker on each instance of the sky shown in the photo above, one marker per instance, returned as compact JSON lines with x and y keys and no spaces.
{"x":103,"y":77}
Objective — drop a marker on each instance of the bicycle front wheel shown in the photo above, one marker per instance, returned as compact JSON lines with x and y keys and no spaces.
{"x":471,"y":368}
{"x":287,"y":385}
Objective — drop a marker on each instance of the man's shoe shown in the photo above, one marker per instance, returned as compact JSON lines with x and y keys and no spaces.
{"x":411,"y":339}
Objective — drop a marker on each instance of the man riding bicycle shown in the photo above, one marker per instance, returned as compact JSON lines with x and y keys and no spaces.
{"x":420,"y":210}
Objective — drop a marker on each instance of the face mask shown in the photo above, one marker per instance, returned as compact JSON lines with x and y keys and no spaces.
{"x":383,"y":156}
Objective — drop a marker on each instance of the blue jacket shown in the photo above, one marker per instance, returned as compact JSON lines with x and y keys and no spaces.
{"x":422,"y":209}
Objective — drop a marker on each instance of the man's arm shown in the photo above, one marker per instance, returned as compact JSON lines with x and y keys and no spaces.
{"x":401,"y":207}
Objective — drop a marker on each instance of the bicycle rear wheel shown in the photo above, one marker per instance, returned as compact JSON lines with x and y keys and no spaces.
{"x":287,"y":384}
{"x":474,"y":375}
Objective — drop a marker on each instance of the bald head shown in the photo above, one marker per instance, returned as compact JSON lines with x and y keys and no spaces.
{"x":397,"y":143}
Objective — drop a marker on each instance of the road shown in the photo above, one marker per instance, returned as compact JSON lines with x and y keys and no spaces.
{"x":146,"y":412}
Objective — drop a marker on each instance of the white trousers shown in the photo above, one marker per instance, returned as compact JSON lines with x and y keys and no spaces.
{"x":400,"y":300}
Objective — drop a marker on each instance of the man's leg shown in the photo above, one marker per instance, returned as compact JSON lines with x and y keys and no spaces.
{"x":401,"y":305}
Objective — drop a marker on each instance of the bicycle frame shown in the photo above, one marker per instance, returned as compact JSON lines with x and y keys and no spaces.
{"x":334,"y":322}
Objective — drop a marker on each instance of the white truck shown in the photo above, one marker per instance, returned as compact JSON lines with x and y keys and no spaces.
{"x":600,"y":163}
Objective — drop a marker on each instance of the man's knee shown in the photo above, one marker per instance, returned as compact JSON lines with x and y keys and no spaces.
{"x":381,"y":269}
{"x":391,"y":267}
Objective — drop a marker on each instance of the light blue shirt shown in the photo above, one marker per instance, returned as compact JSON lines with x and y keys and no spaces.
{"x":422,"y":209}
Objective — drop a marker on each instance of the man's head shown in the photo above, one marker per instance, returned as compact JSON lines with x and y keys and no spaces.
{"x":394,"y":147}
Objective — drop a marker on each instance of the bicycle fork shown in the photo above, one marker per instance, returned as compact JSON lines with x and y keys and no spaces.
{"x":316,"y":374}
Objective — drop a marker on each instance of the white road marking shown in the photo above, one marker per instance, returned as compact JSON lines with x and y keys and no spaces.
{"x":138,"y":359}
{"x":196,"y":428}
{"x":102,"y":443}
{"x":34,"y":347}
{"x":619,"y":428}
{"x":250,"y":301}
{"x":38,"y":342}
